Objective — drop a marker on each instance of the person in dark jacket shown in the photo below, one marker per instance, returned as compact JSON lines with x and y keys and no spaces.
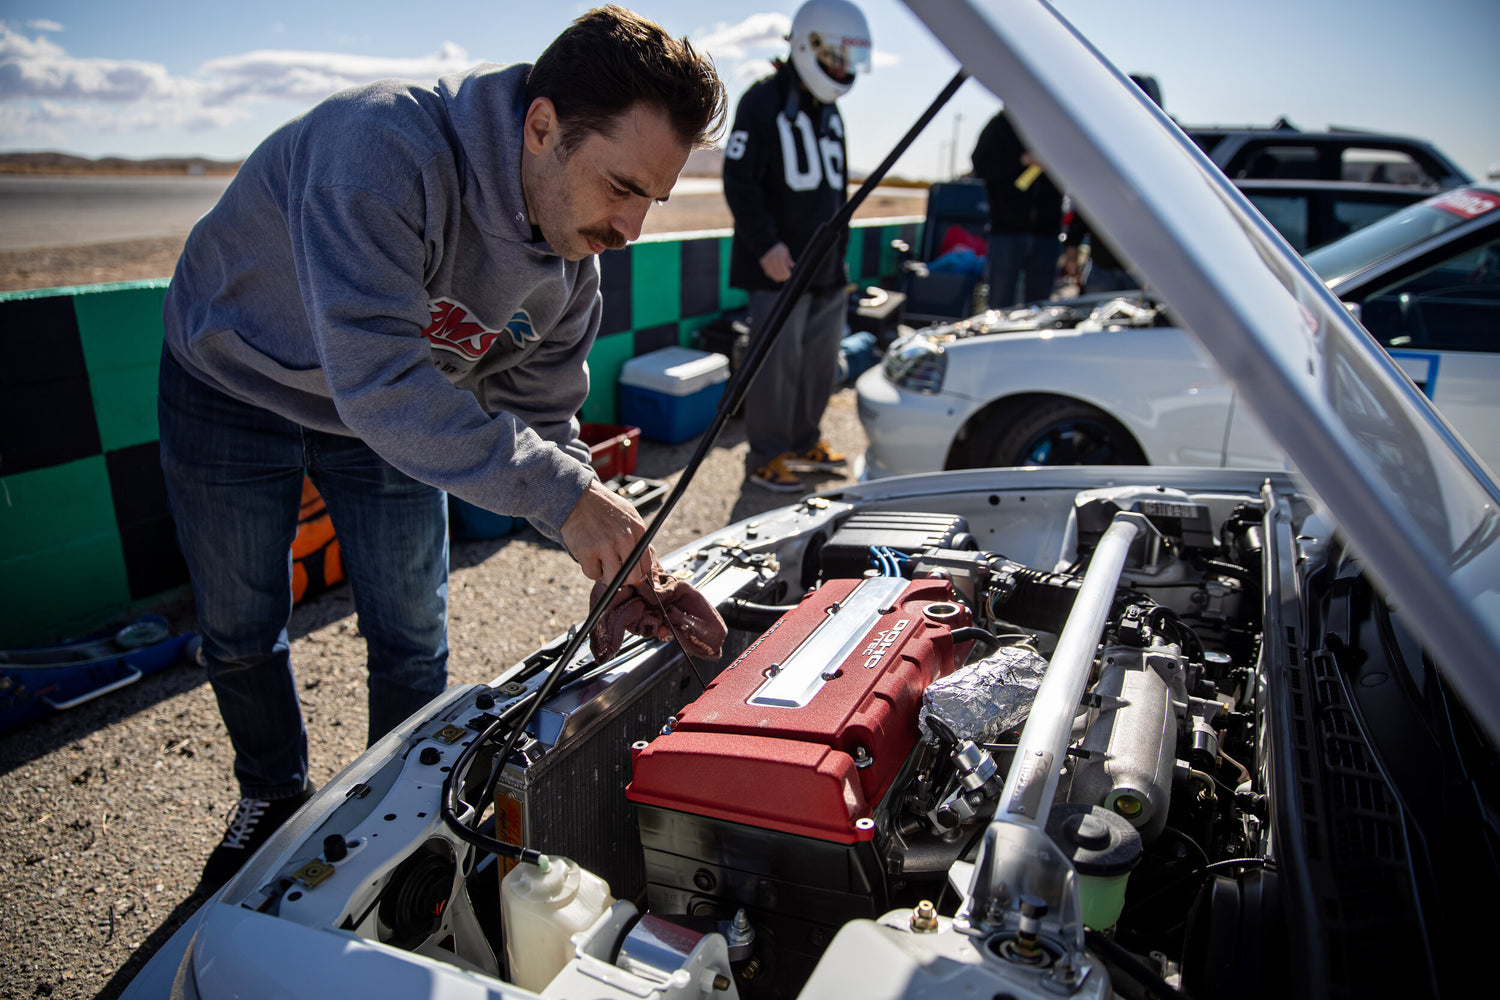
{"x":785,"y":173}
{"x":395,"y":297}
{"x":1025,"y":216}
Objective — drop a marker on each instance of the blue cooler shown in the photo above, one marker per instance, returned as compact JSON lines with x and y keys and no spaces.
{"x":671,"y":394}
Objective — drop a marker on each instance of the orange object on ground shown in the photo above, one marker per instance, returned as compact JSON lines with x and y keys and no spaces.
{"x":316,"y":565}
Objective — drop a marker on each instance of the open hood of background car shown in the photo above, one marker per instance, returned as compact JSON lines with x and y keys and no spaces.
{"x":1405,"y":491}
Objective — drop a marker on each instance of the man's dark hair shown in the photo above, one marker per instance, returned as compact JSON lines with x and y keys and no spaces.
{"x":611,"y":58}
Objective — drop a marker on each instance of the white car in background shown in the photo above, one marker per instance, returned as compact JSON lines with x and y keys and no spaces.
{"x":1114,"y":380}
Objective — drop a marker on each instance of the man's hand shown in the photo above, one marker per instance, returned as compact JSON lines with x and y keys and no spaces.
{"x":777,"y":263}
{"x":601,"y":531}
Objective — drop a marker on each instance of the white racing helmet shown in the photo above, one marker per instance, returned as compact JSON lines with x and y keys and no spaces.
{"x":830,"y":46}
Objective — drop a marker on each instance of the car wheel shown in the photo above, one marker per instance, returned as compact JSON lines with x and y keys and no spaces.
{"x":1059,"y":432}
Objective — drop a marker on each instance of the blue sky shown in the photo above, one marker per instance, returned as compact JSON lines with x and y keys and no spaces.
{"x":163,"y":77}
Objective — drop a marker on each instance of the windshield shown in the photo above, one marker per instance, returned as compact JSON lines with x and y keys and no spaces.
{"x":1399,"y":230}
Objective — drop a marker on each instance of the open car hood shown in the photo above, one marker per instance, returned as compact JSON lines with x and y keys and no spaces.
{"x":1404,"y":489}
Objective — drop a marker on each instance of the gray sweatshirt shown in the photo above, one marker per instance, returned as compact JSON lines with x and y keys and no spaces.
{"x":370,"y":271}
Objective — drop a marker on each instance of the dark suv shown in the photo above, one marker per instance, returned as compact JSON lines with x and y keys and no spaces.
{"x":1285,"y":152}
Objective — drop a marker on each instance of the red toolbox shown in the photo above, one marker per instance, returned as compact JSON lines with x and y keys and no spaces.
{"x":612,"y":448}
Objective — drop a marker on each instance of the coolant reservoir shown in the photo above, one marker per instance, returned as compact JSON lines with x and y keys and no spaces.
{"x":542,"y":906}
{"x":1103,"y":847}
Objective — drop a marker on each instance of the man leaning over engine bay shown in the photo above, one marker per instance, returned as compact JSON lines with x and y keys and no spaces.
{"x":396,"y":296}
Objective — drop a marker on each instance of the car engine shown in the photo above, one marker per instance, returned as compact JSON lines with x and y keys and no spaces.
{"x":861,"y":745}
{"x":922,"y":765}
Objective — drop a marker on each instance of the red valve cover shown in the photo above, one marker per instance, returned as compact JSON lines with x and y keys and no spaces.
{"x":780,"y":740}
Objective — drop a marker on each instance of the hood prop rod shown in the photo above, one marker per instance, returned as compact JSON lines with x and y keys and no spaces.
{"x":823,"y":239}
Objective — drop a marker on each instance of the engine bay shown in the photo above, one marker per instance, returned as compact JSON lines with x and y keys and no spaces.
{"x":1050,"y":771}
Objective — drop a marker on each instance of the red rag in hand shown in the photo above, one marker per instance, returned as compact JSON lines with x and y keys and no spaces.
{"x":637,"y":608}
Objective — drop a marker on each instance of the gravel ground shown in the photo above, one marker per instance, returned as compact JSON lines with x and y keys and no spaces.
{"x":108,"y":811}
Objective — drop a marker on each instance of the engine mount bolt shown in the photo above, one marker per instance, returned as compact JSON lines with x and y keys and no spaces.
{"x":740,"y":930}
{"x":862,"y":758}
{"x":924,"y":917}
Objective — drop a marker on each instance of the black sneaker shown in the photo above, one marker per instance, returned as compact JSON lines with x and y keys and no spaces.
{"x":250,"y":825}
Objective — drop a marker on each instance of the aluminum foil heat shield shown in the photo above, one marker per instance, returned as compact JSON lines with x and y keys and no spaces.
{"x":986,"y":699}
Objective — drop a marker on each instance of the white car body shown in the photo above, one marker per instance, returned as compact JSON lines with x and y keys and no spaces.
{"x":1352,"y":616}
{"x":1155,"y":384}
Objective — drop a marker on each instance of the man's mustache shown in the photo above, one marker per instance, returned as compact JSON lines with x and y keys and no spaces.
{"x":610,"y":238}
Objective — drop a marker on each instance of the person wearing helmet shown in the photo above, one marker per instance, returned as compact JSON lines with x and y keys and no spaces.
{"x":785,"y":173}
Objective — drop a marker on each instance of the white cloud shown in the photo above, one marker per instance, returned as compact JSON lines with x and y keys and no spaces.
{"x":742,"y":74}
{"x":295,"y":75}
{"x":743,"y":51}
{"x":43,"y":89}
{"x":750,"y":37}
{"x":41,"y":24}
{"x":40,"y":68}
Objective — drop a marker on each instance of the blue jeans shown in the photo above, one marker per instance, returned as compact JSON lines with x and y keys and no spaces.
{"x":234,"y":483}
{"x":1011,"y":256}
{"x":785,"y":403}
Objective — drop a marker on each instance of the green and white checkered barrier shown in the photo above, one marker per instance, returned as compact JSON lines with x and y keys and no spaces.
{"x":85,"y":535}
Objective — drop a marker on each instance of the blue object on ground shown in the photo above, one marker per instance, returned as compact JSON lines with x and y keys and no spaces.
{"x":40,"y":680}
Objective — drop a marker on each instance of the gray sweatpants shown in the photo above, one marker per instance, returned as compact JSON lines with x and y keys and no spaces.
{"x":785,"y":403}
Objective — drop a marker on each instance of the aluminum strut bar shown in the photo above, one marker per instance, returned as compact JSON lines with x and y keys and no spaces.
{"x":1032,"y":782}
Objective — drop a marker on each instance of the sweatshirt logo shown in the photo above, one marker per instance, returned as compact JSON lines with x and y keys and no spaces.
{"x":453,"y":328}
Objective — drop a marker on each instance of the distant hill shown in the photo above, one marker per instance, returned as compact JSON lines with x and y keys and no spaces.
{"x":64,"y":163}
